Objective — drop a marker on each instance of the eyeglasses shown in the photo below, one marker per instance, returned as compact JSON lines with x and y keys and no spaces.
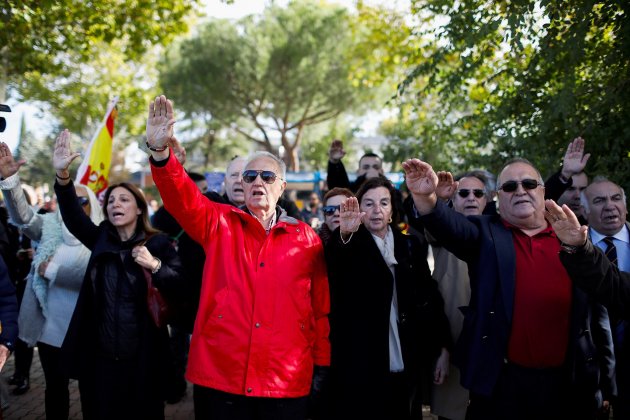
{"x":528,"y":184}
{"x":250,"y":176}
{"x":330,"y":210}
{"x":84,"y":201}
{"x":464,"y":192}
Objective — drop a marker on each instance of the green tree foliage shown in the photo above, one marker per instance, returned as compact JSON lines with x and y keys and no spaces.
{"x":267,"y":77}
{"x":522,"y":78}
{"x":36,"y":35}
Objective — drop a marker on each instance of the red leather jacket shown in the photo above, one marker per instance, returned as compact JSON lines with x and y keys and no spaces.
{"x":263,"y":314}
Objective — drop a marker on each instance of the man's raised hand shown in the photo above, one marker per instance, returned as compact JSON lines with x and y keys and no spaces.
{"x":160,"y":122}
{"x":574,"y":158}
{"x":565,"y":224}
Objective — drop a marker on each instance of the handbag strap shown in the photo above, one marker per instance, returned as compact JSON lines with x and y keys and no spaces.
{"x":148,"y":277}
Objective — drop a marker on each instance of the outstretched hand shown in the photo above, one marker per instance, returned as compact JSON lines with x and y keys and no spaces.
{"x":8,"y":165}
{"x":565,"y":224}
{"x":350,"y":216}
{"x":160,"y":122}
{"x":63,"y":154}
{"x":574,"y":158}
{"x":420,"y":177}
{"x":336,"y":152}
{"x":446,"y":185}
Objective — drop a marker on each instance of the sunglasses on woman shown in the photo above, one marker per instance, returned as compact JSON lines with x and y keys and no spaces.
{"x":330,"y":210}
{"x":511,"y":186}
{"x":83,"y":201}
{"x":250,"y":176}
{"x":464,"y":192}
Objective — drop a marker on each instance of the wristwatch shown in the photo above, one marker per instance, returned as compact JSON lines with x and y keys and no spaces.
{"x":569,"y":249}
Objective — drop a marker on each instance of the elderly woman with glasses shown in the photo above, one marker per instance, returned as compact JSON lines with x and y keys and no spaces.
{"x":387,"y":320}
{"x":262,"y":324}
{"x":332,"y":202}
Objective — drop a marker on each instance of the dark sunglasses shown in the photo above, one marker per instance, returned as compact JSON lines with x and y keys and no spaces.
{"x":250,"y":175}
{"x":464,"y":192}
{"x":330,"y":210}
{"x":511,"y":186}
{"x":84,"y":201}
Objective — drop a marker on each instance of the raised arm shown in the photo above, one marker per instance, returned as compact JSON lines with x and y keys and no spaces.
{"x":422,"y":182}
{"x":587,"y":265}
{"x":336,"y":175}
{"x":181,"y":197}
{"x":77,"y":222}
{"x":159,"y":128}
{"x":19,"y":210}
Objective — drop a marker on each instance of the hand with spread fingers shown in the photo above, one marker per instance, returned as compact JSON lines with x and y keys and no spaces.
{"x":8,"y":165}
{"x":159,"y":129}
{"x":350,"y":216}
{"x":574,"y":159}
{"x":446,"y":185}
{"x":565,"y":224}
{"x":63,"y":157}
{"x":422,"y":182}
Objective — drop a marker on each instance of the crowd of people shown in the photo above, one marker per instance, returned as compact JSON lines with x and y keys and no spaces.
{"x":331,"y":312}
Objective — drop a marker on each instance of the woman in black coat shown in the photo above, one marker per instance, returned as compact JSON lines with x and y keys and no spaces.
{"x":119,"y":355}
{"x":387,"y":322}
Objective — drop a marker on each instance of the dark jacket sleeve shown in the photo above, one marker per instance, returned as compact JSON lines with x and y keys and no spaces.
{"x":602,"y":337}
{"x":8,"y":308}
{"x":554,"y":187}
{"x":337,"y":176}
{"x":75,"y":219}
{"x":591,"y":270}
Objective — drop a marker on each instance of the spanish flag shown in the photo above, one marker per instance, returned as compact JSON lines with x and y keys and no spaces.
{"x":94,"y":170}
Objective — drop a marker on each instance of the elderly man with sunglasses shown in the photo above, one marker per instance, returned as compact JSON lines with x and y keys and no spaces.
{"x":526,"y":349}
{"x":262,"y":325}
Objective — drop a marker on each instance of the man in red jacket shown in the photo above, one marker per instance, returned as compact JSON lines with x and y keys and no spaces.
{"x":262,"y":325}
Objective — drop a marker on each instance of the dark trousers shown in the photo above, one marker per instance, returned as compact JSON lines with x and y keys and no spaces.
{"x":57,"y":396}
{"x":23,"y":359}
{"x":115,"y":390}
{"x":211,"y":404}
{"x":180,"y":343}
{"x":523,"y":394}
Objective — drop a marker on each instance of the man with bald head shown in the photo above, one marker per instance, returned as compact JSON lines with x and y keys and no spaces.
{"x":604,"y":204}
{"x":526,"y":349}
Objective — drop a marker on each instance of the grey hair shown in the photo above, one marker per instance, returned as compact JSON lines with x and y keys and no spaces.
{"x":262,"y":154}
{"x":486,"y":178}
{"x":597,"y":180}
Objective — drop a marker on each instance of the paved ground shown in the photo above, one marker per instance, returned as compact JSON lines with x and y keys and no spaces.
{"x":30,"y":406}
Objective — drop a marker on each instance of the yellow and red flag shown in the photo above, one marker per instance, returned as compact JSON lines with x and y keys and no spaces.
{"x":94,"y":170}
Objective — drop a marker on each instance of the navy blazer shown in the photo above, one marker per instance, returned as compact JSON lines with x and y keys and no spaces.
{"x":487,"y":246}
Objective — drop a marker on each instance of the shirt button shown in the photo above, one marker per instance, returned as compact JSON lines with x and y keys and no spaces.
{"x":249,"y":390}
{"x":262,"y":264}
{"x":258,"y":325}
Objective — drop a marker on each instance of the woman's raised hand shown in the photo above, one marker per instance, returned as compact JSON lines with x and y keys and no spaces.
{"x":8,"y":165}
{"x":63,"y":154}
{"x":350,"y":216}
